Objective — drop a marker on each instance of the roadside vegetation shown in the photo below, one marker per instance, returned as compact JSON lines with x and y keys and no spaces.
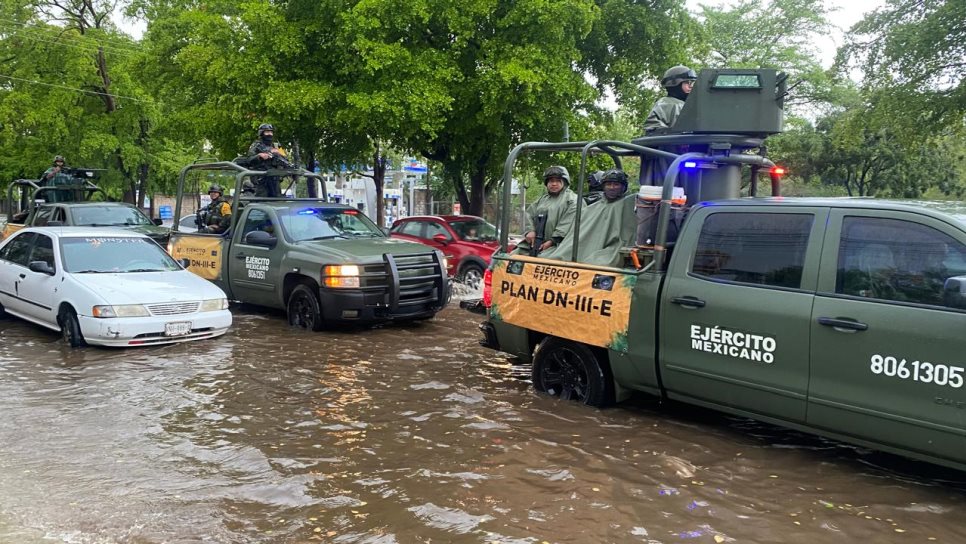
{"x":459,"y":82}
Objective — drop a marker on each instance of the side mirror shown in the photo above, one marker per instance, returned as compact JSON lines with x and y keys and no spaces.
{"x":954,"y":292}
{"x":41,"y":266}
{"x":185,"y":263}
{"x":260,"y":238}
{"x":441,"y":239}
{"x":157,"y":221}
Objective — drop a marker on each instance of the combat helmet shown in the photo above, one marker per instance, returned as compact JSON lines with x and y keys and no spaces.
{"x":265,"y":126}
{"x":677,"y":75}
{"x":557,"y":172}
{"x":595,"y":180}
{"x":615,"y":175}
{"x":59,"y":158}
{"x":215,"y":188}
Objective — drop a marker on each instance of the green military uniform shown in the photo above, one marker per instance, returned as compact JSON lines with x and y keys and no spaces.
{"x":269,"y":186}
{"x":559,"y":209}
{"x":217,"y":215}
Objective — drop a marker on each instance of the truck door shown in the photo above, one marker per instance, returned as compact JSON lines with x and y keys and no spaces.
{"x":887,"y":357}
{"x":254,"y":270}
{"x":736,"y":308}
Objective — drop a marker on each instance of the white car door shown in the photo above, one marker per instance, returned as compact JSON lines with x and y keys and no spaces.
{"x":39,"y":291}
{"x":13,"y":269}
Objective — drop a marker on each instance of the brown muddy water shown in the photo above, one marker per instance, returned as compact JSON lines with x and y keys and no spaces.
{"x":406,"y":434}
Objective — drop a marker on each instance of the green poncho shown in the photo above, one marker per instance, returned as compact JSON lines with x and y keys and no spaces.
{"x":605,"y":227}
{"x":560,"y":210}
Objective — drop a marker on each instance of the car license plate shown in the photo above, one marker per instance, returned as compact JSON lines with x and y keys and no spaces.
{"x":180,"y":328}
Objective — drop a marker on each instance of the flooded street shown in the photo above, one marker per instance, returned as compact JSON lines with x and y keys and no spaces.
{"x":406,"y":434}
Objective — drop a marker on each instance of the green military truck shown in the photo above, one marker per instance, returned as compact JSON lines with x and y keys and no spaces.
{"x":833,"y":316}
{"x":73,"y":201}
{"x":320,"y":262}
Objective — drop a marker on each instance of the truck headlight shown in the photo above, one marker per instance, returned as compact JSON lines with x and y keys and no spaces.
{"x":120,"y":310}
{"x":214,"y":305}
{"x":341,"y":276}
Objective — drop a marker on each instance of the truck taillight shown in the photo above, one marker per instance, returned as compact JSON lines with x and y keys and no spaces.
{"x":488,"y":288}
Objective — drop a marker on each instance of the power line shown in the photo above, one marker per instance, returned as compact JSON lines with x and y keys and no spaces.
{"x":79,"y":41}
{"x":75,"y":89}
{"x":81,"y":47}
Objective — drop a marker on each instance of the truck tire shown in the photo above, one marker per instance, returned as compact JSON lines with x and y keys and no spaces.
{"x":304,"y":308}
{"x":70,"y":328}
{"x":571,"y":371}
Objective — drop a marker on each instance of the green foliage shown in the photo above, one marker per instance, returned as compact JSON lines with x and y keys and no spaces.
{"x":913,"y":52}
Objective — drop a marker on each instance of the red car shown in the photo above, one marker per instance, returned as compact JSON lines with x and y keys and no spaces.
{"x":467,"y":241}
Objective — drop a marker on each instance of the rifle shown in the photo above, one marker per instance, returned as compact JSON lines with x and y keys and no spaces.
{"x":539,"y":225}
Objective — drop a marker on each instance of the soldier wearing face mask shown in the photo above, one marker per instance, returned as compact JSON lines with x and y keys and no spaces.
{"x":264,"y":154}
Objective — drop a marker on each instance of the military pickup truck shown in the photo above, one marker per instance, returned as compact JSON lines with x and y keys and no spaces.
{"x":74,"y":205}
{"x":320,"y":262}
{"x":833,"y":316}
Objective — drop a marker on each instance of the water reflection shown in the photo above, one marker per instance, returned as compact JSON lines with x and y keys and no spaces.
{"x":407,"y":433}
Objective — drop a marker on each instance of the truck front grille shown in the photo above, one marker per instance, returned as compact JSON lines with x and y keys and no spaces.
{"x":406,"y":284}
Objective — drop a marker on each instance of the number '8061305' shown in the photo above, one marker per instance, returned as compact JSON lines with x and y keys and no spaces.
{"x":920,"y":371}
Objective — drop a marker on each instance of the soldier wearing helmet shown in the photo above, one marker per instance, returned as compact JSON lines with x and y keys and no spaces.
{"x":55,"y":168}
{"x":264,"y":154}
{"x":614,"y":184}
{"x":677,"y":81}
{"x":551,"y":217}
{"x":216,"y":217}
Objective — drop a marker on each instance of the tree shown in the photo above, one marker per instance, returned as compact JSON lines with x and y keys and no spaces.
{"x":779,"y":34}
{"x":69,"y":91}
{"x":912,"y":51}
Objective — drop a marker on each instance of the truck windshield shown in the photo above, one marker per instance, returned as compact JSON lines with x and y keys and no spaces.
{"x":103,"y":216}
{"x":105,"y":254}
{"x":314,"y":223}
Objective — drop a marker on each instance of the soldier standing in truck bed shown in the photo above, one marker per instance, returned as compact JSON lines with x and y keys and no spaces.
{"x":264,"y":154}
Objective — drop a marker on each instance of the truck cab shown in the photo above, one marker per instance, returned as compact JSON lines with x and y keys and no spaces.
{"x":321,"y":262}
{"x":830,"y":316}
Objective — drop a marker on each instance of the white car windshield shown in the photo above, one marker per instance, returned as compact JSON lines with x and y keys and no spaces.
{"x":104,"y":254}
{"x":108,"y":216}
{"x":313,"y":223}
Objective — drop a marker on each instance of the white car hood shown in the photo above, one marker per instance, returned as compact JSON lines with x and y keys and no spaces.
{"x":149,"y":287}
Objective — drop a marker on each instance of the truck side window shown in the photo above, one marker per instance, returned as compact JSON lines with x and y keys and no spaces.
{"x":257,"y":220}
{"x":44,"y":216}
{"x":757,"y":248}
{"x":892,"y":259}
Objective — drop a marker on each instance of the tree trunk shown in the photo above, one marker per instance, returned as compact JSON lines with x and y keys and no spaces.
{"x":477,"y":190}
{"x":379,"y":163}
{"x":311,"y":182}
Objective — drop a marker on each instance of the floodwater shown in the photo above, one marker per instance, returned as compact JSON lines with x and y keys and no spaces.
{"x":405,"y":434}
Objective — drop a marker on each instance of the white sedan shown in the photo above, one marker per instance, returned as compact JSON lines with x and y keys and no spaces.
{"x":108,"y":287}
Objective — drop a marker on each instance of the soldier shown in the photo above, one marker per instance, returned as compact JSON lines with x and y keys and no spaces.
{"x":264,"y":154}
{"x":551,"y":217}
{"x":614,"y":185}
{"x":55,"y":169}
{"x":217,"y":215}
{"x":594,"y":187}
{"x":677,"y":81}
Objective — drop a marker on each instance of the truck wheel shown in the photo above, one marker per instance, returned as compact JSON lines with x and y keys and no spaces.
{"x":70,"y":328}
{"x":304,"y":308}
{"x":471,"y":275}
{"x":570,"y":370}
